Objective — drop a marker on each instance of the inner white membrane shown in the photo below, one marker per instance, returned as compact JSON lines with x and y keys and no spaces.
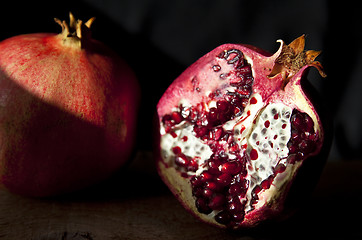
{"x":268,"y":141}
{"x":189,"y":144}
{"x":261,"y":130}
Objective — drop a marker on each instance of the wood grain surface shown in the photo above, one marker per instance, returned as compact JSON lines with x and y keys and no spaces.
{"x":135,"y":204}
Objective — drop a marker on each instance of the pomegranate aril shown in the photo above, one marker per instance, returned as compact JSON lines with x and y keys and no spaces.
{"x":213,"y":117}
{"x":295,"y":136}
{"x":297,"y":121}
{"x":253,"y":154}
{"x":300,"y":156}
{"x":214,"y":167}
{"x":303,"y":138}
{"x":223,"y":217}
{"x":182,"y":161}
{"x":192,"y":166}
{"x":196,"y":182}
{"x":198,"y":192}
{"x":207,"y":193}
{"x":223,"y":106}
{"x":279,"y":168}
{"x":213,"y":186}
{"x":308,"y":124}
{"x":172,"y":119}
{"x":173,"y":134}
{"x":231,"y":168}
{"x":238,"y":217}
{"x":176,"y":117}
{"x":234,"y":205}
{"x":292,"y":148}
{"x":205,"y":176}
{"x":267,"y":182}
{"x":313,"y":137}
{"x":201,"y":131}
{"x":176,"y":150}
{"x":216,"y":133}
{"x":202,"y":206}
{"x":224,"y":179}
{"x":305,"y":146}
{"x":237,"y":190}
{"x":217,"y":201}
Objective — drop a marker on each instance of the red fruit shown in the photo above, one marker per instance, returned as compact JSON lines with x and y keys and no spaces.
{"x":68,"y":111}
{"x":266,"y":128}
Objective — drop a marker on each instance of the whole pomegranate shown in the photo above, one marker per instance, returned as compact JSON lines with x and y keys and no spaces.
{"x":235,"y":128}
{"x":68,"y":111}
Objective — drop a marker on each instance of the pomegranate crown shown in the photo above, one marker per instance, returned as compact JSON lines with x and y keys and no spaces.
{"x":293,"y":57}
{"x":76,"y":32}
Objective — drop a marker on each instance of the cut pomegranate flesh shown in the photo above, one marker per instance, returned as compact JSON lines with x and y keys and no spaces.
{"x":236,"y":134}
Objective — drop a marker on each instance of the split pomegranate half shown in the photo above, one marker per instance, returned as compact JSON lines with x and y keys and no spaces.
{"x":234,"y":129}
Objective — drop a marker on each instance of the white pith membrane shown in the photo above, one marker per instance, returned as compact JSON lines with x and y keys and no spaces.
{"x":268,"y":136}
{"x":193,"y":147}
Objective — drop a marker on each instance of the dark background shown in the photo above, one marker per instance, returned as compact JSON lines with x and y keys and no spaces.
{"x":160,"y":38}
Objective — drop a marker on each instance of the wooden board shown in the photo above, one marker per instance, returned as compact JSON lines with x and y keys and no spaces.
{"x":137,"y":205}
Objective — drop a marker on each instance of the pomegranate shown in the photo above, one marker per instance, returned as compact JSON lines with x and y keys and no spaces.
{"x":68,"y":111}
{"x":235,"y":128}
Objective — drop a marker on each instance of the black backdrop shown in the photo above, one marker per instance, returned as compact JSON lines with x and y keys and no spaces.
{"x":160,"y":38}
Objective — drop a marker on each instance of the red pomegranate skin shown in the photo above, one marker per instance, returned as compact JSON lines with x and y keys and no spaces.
{"x":67,"y":113}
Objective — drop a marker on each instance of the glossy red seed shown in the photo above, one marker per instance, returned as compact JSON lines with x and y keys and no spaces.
{"x":214,"y":167}
{"x":265,"y":184}
{"x":224,"y":179}
{"x":223,"y":217}
{"x":216,"y":134}
{"x":297,"y":121}
{"x":267,"y":123}
{"x":182,"y":161}
{"x":207,"y":193}
{"x":234,"y":206}
{"x":279,"y":168}
{"x":308,"y":123}
{"x":222,"y":105}
{"x":176,"y":116}
{"x":231,"y":168}
{"x":205,"y":176}
{"x":253,"y":100}
{"x":192,"y":165}
{"x":202,"y":206}
{"x":213,"y":186}
{"x":217,"y":201}
{"x":176,"y":150}
{"x":238,"y":217}
{"x":198,"y":192}
{"x":253,"y":154}
{"x":196,"y":182}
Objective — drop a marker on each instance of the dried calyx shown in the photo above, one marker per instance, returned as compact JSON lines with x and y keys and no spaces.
{"x":77,"y":32}
{"x":293,"y":58}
